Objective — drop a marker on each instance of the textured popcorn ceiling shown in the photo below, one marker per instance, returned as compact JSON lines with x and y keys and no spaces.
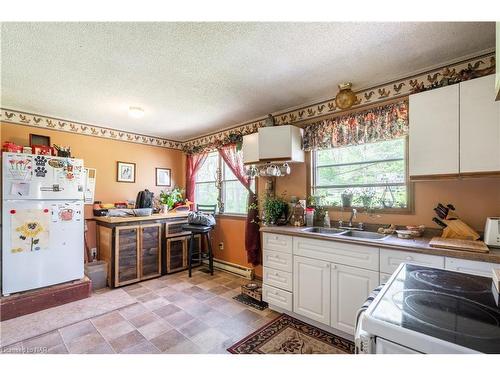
{"x":194,"y":78}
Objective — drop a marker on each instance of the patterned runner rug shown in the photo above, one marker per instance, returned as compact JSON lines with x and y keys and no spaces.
{"x":287,"y":335}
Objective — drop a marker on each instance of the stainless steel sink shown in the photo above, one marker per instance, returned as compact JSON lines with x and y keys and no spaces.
{"x":321,"y":230}
{"x":367,"y":235}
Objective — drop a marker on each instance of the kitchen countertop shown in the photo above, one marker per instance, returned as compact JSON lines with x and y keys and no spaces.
{"x":419,"y":245}
{"x":126,"y":219}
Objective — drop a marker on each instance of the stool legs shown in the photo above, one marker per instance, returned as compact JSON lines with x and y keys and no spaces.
{"x":190,"y":252}
{"x":210,"y":255}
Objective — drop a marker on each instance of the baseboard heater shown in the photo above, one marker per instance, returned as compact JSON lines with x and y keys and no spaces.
{"x":235,"y":269}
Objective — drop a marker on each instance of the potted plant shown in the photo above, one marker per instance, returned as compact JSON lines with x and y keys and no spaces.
{"x":274,"y":209}
{"x":316,"y":202}
{"x":171,"y":199}
{"x":346,"y":197}
{"x":366,"y":197}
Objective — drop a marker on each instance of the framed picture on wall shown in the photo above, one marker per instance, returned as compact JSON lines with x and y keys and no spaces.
{"x":125,"y":172}
{"x":39,"y":140}
{"x":163,"y":177}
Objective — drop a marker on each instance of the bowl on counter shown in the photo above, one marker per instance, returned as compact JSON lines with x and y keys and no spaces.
{"x":142,"y":211}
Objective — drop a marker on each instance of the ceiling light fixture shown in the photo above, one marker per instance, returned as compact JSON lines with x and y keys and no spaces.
{"x":136,"y":112}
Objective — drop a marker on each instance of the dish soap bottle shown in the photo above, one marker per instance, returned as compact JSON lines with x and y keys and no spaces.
{"x":326,"y":222}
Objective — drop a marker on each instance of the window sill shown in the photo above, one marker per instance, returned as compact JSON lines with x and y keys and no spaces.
{"x":382,"y":211}
{"x":232,"y":216}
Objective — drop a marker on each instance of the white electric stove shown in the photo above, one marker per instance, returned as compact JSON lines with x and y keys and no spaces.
{"x":429,"y":310}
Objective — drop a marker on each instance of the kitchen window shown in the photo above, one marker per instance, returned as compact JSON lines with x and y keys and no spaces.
{"x":370,"y":176}
{"x":216,"y":184}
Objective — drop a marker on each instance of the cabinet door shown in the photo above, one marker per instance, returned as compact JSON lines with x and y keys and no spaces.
{"x":350,"y":288}
{"x":479,"y":126}
{"x":311,"y":288}
{"x":434,"y":124}
{"x":176,"y":254}
{"x":150,"y":250}
{"x":127,"y":255}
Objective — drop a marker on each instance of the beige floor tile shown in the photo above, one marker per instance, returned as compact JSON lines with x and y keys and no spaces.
{"x":168,"y":340}
{"x":209,"y":284}
{"x":107,"y":320}
{"x":213,"y":318}
{"x":143,"y":319}
{"x":147,"y":297}
{"x":85,"y":343}
{"x":204,"y":296}
{"x":133,"y":310}
{"x":192,"y":290}
{"x":220,"y":289}
{"x":209,"y":339}
{"x":74,"y":331}
{"x":179,"y":318}
{"x":186,"y":347}
{"x":138,"y":291}
{"x":126,"y":341}
{"x":231,"y":308}
{"x":154,"y":329}
{"x":216,"y":302}
{"x":246,"y":316}
{"x":167,"y":310}
{"x":155,"y":304}
{"x":235,"y":329}
{"x":116,"y":330}
{"x":193,"y":328}
{"x":198,"y":309}
{"x":58,"y":349}
{"x":143,"y":348}
{"x":165,"y":291}
{"x":181,"y":286}
{"x":102,"y":348}
{"x":186,"y":302}
{"x":44,"y":342}
{"x":179,"y":296}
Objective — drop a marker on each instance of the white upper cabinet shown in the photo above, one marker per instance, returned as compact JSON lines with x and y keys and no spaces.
{"x":434,"y":127}
{"x":479,"y":126}
{"x":250,"y":148}
{"x":455,"y":129}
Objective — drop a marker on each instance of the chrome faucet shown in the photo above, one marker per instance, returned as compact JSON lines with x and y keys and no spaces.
{"x":353,"y":216}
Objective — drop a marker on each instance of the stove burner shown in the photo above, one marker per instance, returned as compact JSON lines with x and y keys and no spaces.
{"x":448,"y":281}
{"x":454,"y":314}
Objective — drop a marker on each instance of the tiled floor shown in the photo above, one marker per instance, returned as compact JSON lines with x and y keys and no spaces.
{"x":172,"y":314}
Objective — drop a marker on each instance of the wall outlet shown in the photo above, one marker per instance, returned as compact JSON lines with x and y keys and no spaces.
{"x":93,"y":252}
{"x":221,"y":246}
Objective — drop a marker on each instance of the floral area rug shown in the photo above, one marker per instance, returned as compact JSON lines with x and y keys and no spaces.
{"x":287,"y":335}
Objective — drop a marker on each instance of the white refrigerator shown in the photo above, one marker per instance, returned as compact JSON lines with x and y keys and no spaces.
{"x":42,"y":221}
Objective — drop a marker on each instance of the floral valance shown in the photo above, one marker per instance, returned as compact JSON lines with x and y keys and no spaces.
{"x":376,"y":124}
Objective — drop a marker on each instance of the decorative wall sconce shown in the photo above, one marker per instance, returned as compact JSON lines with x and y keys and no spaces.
{"x":345,"y":97}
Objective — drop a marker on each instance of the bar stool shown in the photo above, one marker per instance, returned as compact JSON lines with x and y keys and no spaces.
{"x":202,"y":230}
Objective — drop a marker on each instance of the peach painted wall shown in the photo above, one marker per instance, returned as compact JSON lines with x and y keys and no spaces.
{"x":474,"y":199}
{"x":231,"y":231}
{"x":103,"y":154}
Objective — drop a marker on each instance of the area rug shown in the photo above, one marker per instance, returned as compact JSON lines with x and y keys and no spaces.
{"x":249,"y":301}
{"x":287,"y":335}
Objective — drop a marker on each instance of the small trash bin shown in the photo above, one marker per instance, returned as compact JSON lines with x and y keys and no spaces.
{"x":97,"y":272}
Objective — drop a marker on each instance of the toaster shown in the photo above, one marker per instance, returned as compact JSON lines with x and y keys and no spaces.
{"x":492,"y":232}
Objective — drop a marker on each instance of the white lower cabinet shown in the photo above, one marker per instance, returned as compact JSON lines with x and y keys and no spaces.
{"x":311,"y":288}
{"x":473,"y":267}
{"x":277,"y":297}
{"x":350,"y":286}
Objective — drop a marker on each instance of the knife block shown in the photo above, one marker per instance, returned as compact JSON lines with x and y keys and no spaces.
{"x":456,"y":228}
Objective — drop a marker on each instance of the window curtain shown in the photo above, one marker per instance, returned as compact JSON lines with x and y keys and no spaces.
{"x":193,"y":164}
{"x":382,"y":123}
{"x":234,"y":160}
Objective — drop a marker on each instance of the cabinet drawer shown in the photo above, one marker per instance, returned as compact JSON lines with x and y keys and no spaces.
{"x":473,"y":267}
{"x":277,"y":297}
{"x":338,"y":252}
{"x":279,"y":279}
{"x":277,"y":242}
{"x":391,"y":259}
{"x":278,"y":261}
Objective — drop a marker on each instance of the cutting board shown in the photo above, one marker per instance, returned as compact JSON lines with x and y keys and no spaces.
{"x":457,"y":244}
